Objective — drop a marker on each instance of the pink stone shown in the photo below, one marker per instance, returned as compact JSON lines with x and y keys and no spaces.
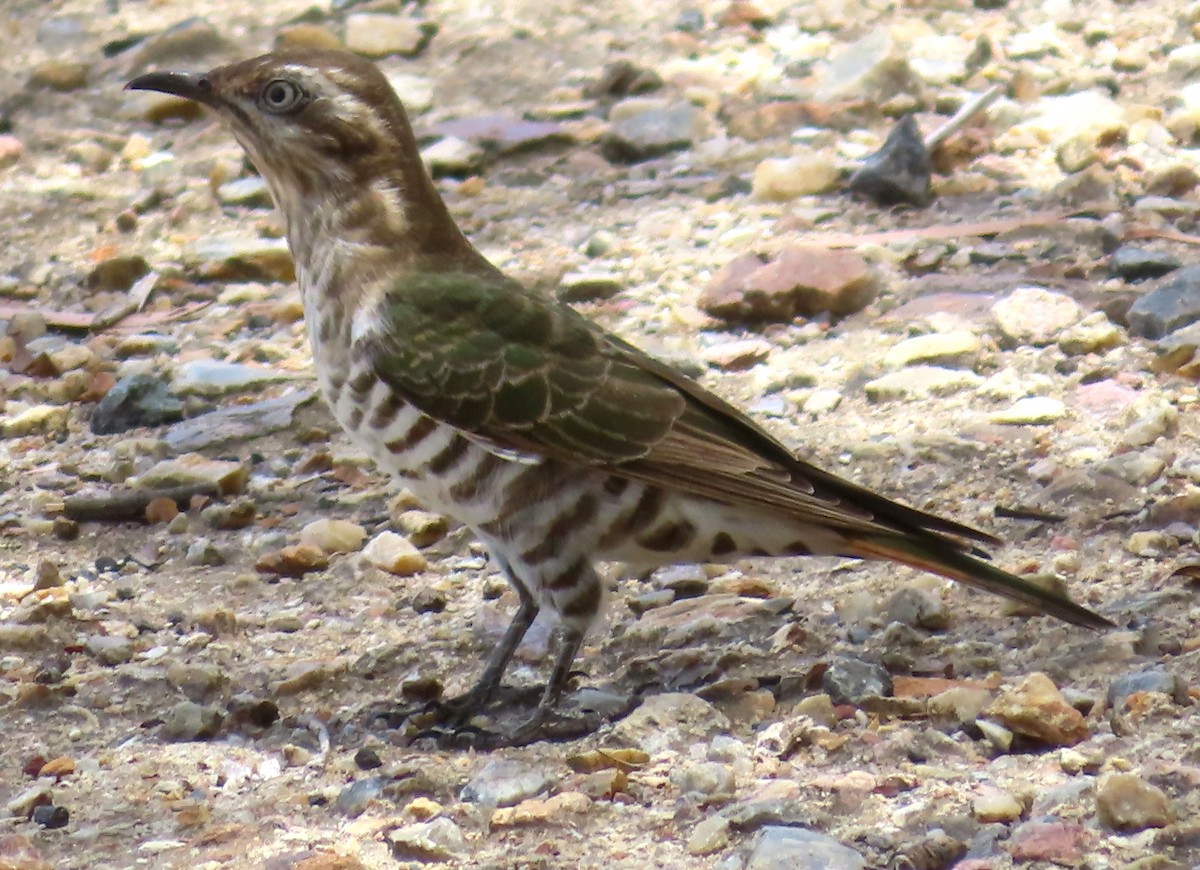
{"x":1057,"y":842}
{"x":10,"y":150}
{"x":1103,"y":399}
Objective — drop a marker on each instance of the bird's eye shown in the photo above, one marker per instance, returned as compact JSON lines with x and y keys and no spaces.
{"x":280,"y":96}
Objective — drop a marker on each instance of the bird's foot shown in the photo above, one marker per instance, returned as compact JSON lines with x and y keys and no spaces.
{"x":448,"y":714}
{"x":542,"y":725}
{"x":580,"y":715}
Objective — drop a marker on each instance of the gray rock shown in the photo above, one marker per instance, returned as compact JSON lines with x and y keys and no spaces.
{"x":899,"y":172}
{"x":240,"y":423}
{"x":851,"y":681}
{"x":780,"y":848}
{"x":705,"y":780}
{"x":1146,"y":681}
{"x":690,"y":20}
{"x":504,"y":782}
{"x":109,"y":650}
{"x":139,"y":400}
{"x":197,"y":682}
{"x":250,"y":191}
{"x":1137,"y":264}
{"x":671,"y":720}
{"x":203,"y":551}
{"x":1172,"y":305}
{"x":918,"y":608}
{"x":60,"y":32}
{"x":224,"y":517}
{"x":502,"y":134}
{"x":354,"y":798}
{"x":209,"y":377}
{"x":191,"y":721}
{"x":658,"y":130}
{"x":191,"y":39}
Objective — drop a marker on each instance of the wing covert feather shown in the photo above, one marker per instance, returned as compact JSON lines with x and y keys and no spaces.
{"x":525,"y":373}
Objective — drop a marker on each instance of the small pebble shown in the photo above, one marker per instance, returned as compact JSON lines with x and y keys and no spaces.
{"x":379,"y":35}
{"x":188,"y":720}
{"x":918,"y":608}
{"x":428,"y":600}
{"x":51,"y":816}
{"x":1126,"y":802}
{"x":437,"y":840}
{"x":367,"y":758}
{"x":1037,"y":709}
{"x":395,"y":554}
{"x":422,"y":528}
{"x":505,"y":783}
{"x":1031,"y":411}
{"x":710,"y":835}
{"x":295,"y":561}
{"x":996,"y":806}
{"x":782,"y":179}
{"x":353,"y":800}
{"x":333,"y":536}
{"x":850,"y":680}
{"x":1035,"y":315}
{"x":704,"y":781}
{"x":203,"y":551}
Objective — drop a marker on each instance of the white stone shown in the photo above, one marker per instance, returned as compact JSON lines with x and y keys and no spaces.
{"x":942,"y":348}
{"x":1032,"y":411}
{"x":381,"y":35}
{"x":1035,"y":315}
{"x":333,"y":536}
{"x":786,"y":178}
{"x":395,"y":554}
{"x":916,"y":382}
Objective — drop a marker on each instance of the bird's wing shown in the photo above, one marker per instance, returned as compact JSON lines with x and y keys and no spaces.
{"x":524,"y":373}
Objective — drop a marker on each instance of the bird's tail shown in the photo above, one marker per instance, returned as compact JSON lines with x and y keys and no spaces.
{"x":939,"y":557}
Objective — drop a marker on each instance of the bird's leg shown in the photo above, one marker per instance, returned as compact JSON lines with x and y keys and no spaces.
{"x":570,"y":638}
{"x":463,"y":707}
{"x":457,"y":711}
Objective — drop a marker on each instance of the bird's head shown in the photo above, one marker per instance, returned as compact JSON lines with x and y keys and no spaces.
{"x":324,"y":127}
{"x":307,"y":118}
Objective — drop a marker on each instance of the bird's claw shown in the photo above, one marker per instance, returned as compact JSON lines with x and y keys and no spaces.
{"x":543,"y":725}
{"x":452,"y":712}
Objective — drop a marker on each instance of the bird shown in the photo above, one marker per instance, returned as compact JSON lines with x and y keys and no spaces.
{"x":558,"y":444}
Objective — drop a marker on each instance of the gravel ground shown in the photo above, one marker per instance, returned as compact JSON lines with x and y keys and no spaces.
{"x":197,"y":688}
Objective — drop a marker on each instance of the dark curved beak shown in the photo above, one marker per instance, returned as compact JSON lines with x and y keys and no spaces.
{"x":191,"y":86}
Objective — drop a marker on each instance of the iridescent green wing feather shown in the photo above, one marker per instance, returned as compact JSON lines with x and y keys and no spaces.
{"x":524,"y":373}
{"x":516,"y":370}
